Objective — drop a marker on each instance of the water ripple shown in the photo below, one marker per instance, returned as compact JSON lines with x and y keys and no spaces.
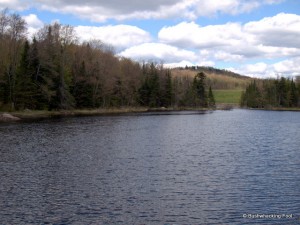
{"x":179,"y":168}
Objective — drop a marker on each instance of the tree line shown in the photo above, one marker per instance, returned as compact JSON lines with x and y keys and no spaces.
{"x":280,"y":92}
{"x":54,"y":71}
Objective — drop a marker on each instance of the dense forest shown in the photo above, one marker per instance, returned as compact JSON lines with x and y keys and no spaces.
{"x":54,"y":71}
{"x":281,"y":92}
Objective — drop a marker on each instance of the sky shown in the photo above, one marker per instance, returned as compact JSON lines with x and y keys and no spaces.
{"x":257,"y":38}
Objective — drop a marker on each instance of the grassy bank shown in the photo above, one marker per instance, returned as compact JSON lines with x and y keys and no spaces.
{"x":36,"y":115}
{"x":32,"y":114}
{"x":231,"y":96}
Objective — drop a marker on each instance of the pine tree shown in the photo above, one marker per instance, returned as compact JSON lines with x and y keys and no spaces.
{"x":81,"y":89}
{"x":199,"y":87}
{"x":149,"y":93}
{"x":22,"y":78}
{"x":294,"y":97}
{"x":282,"y":92}
{"x":252,"y":97}
{"x":154,"y":85}
{"x":144,"y":93}
{"x":211,"y":99}
{"x":117,"y":96}
{"x":25,"y":90}
{"x":168,"y":97}
{"x":270,"y":93}
{"x":40,"y":81}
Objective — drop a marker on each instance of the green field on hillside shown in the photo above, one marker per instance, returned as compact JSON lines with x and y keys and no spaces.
{"x":228,"y":96}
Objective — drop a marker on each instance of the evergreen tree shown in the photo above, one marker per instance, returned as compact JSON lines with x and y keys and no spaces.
{"x":270,"y":93}
{"x":154,"y":85}
{"x":282,"y":92}
{"x":190,"y":98}
{"x":211,"y":99}
{"x":252,"y":96}
{"x":117,"y":97}
{"x":294,"y":97}
{"x":149,"y":93}
{"x":24,"y":89}
{"x":199,"y":87}
{"x":144,"y":93}
{"x":273,"y":93}
{"x":41,"y":83}
{"x":168,"y":90}
{"x":81,"y":89}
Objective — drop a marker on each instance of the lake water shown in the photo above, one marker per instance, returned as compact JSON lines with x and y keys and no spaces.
{"x":222,"y":167}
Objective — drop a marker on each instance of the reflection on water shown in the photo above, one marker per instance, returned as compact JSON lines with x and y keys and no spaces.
{"x":153,"y":168}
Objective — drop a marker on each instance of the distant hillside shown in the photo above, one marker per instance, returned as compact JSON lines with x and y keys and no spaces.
{"x":209,"y":69}
{"x":216,"y":78}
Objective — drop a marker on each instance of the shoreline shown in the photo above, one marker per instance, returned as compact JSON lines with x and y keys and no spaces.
{"x":33,"y":115}
{"x":276,"y":109}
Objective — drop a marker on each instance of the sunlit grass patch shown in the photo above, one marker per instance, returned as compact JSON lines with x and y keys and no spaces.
{"x":228,"y":96}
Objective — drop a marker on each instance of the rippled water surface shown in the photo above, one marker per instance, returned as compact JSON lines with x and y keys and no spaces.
{"x":152,"y":168}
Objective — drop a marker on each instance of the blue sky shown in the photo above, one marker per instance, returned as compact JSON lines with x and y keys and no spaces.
{"x":253,"y":37}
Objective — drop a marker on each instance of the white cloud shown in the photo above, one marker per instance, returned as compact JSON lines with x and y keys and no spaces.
{"x":185,"y":63}
{"x":163,"y":12}
{"x":206,"y":63}
{"x":227,"y":57}
{"x":158,"y":52}
{"x":209,"y":8}
{"x":257,"y":68}
{"x":119,"y":36}
{"x":182,"y":64}
{"x":14,"y":4}
{"x":33,"y":21}
{"x":287,"y":68}
{"x":281,"y":30}
{"x":230,"y":42}
{"x":33,"y":24}
{"x":103,"y":10}
{"x":271,"y":37}
{"x":115,"y":5}
{"x":192,"y":35}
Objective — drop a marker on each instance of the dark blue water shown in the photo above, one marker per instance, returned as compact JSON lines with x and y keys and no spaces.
{"x":225,"y":167}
